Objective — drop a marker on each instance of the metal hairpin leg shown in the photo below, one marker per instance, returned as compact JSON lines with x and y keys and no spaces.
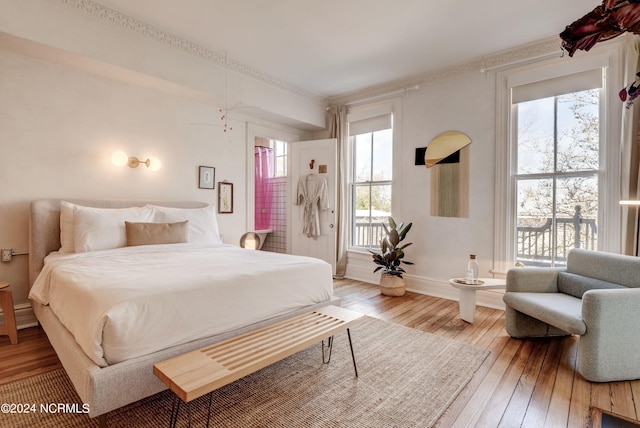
{"x":353,"y":356}
{"x":209,"y":412}
{"x":326,"y":359}
{"x":175,"y":409}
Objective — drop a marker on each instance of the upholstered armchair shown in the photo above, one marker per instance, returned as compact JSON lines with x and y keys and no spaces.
{"x":597,"y":296}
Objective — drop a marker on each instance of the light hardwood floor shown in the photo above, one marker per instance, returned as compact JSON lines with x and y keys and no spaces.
{"x":528,"y":383}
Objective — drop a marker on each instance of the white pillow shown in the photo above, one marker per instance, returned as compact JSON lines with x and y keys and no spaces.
{"x":103,"y":228}
{"x":67,"y":242}
{"x":203,"y":225}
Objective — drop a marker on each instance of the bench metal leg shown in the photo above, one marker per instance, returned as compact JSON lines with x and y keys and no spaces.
{"x":175,"y":409}
{"x":327,"y":358}
{"x":209,"y":411}
{"x":353,"y":357}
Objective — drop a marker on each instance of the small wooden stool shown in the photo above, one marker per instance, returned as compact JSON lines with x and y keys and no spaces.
{"x":6,"y":302}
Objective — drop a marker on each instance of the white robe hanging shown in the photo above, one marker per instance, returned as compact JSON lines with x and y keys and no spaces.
{"x":313,"y":193}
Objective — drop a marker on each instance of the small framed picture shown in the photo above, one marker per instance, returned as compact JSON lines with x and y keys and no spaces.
{"x":207,"y":177}
{"x":225,"y":197}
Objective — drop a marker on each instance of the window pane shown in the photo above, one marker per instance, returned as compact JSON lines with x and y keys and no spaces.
{"x":381,"y":199}
{"x":372,"y":207}
{"x":577,"y":214}
{"x":362,"y":157}
{"x":281,"y":166}
{"x":535,"y":136}
{"x":534,"y":221}
{"x":578,"y":131}
{"x":542,"y":237}
{"x":362,"y":199}
{"x":382,"y":155}
{"x":280,"y":157}
{"x":371,"y":177}
{"x":361,"y":236}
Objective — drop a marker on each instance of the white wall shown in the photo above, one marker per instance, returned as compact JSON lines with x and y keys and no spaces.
{"x":58,"y":128}
{"x":467,"y":103}
{"x":75,"y":87}
{"x":441,"y":245}
{"x":97,"y":87}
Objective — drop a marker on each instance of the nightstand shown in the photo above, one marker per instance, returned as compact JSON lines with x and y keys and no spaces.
{"x":6,"y":302}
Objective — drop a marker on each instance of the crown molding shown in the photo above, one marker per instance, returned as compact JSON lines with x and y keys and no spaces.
{"x":522,"y":54}
{"x":516,"y":56}
{"x":166,"y":38}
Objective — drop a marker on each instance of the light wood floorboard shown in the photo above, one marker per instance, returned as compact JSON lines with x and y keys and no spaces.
{"x":523,"y":383}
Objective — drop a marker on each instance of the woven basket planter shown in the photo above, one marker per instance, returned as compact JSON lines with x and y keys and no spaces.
{"x":391,"y":285}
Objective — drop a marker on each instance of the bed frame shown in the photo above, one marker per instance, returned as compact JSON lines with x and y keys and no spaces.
{"x":108,"y":388}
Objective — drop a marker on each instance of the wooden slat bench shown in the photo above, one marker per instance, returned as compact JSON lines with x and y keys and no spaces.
{"x":200,"y":372}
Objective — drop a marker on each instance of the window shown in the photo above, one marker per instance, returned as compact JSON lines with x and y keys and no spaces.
{"x":371,"y":144}
{"x":557,"y":169}
{"x":279,"y":157}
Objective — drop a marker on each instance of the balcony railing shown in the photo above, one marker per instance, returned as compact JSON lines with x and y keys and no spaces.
{"x":534,"y":243}
{"x":367,"y":234}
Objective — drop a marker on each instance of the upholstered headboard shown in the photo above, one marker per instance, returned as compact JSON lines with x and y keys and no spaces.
{"x":44,"y":224}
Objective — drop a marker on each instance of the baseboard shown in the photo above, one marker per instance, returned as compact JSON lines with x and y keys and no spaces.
{"x":431,"y":287}
{"x":25,"y":317}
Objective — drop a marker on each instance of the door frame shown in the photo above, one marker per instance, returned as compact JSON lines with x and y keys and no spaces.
{"x":328,"y":218}
{"x":256,"y":130}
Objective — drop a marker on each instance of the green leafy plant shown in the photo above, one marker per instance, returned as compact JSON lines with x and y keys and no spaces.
{"x":391,"y":253}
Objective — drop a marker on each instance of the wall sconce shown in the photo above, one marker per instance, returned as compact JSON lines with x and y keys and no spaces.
{"x":122,"y":159}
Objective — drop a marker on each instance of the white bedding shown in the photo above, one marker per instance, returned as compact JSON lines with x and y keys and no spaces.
{"x":131,"y":301}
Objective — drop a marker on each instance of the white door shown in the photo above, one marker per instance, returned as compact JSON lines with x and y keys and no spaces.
{"x":323,"y":154}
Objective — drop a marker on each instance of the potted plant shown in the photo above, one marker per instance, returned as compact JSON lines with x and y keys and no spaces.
{"x":390,"y":258}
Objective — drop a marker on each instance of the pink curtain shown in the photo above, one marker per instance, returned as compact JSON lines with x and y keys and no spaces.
{"x":263,"y":187}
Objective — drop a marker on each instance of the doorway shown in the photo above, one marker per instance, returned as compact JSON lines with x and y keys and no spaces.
{"x":278,"y":240}
{"x":313,"y":174}
{"x":290,"y":158}
{"x":270,"y":192}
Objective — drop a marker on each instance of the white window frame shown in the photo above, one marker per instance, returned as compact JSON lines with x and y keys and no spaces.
{"x":609,"y":57}
{"x":276,"y":145}
{"x":362,"y":112}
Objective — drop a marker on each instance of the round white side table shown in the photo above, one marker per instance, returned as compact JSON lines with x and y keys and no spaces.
{"x":468,"y":294}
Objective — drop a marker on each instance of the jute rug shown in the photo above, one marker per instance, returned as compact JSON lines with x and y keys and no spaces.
{"x":407,"y":378}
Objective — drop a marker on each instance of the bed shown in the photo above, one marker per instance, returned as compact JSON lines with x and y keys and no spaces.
{"x":181,"y":294}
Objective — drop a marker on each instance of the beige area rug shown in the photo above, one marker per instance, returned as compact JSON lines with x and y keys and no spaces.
{"x":407,"y":378}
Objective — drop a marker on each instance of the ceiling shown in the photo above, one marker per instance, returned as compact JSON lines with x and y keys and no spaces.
{"x":335,"y":47}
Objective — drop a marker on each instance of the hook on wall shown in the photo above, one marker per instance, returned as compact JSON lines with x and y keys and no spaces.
{"x":313,"y":161}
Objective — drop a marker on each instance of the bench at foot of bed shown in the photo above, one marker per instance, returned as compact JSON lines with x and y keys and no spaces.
{"x":200,"y":372}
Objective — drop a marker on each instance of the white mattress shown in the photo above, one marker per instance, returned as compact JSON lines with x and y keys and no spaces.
{"x":132,"y":301}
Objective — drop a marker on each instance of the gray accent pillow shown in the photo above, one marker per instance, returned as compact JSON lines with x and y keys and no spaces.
{"x":576,"y":285}
{"x":156,"y":233}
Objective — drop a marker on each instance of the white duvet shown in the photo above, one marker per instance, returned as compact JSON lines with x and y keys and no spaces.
{"x":132,"y":301}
